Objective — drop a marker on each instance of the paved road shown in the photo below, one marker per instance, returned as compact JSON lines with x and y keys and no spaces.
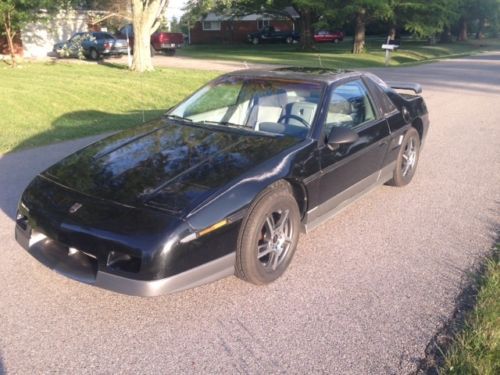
{"x":364,"y":295}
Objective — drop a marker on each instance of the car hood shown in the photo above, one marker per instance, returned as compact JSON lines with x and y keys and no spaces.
{"x":165,"y":164}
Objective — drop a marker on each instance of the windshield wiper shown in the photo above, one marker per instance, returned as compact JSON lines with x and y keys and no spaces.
{"x":225,"y":123}
{"x":175,"y":117}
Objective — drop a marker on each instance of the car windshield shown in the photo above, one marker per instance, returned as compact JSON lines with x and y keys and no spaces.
{"x":256,"y":104}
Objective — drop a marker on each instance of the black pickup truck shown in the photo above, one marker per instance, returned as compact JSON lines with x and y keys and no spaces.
{"x":270,"y":34}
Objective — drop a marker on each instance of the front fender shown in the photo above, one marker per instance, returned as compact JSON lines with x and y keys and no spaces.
{"x":292,"y":164}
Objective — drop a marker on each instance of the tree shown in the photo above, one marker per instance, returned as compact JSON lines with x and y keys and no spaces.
{"x":362,"y":12}
{"x":145,"y":18}
{"x":427,"y":19}
{"x":15,"y":14}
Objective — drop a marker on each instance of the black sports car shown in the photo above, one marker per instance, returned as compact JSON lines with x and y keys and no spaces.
{"x":224,"y":182}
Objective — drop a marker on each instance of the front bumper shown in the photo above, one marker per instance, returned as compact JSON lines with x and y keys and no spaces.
{"x":83,"y":267}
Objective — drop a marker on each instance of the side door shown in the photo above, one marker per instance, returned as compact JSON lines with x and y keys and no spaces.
{"x":349,"y":170}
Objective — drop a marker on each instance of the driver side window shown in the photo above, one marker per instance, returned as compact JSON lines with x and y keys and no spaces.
{"x":349,"y":106}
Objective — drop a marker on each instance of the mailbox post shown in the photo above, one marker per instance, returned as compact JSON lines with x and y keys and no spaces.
{"x":389,"y":47}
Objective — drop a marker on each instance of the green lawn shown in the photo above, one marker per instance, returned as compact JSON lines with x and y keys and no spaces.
{"x":330,"y":55}
{"x":476,"y":350}
{"x":46,"y":103}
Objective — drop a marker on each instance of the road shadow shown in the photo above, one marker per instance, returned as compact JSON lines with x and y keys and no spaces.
{"x":2,"y":368}
{"x":24,"y":162}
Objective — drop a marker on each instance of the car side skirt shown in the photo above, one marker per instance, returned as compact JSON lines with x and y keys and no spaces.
{"x":325,"y":211}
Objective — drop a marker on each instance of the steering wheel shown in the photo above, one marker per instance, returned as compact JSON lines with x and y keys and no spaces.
{"x":294,"y":117}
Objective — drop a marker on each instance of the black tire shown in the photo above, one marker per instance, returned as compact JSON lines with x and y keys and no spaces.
{"x":336,"y":40}
{"x":289,"y":40}
{"x":93,"y":54}
{"x":255,"y":40}
{"x":152,"y":51}
{"x":263,"y":255}
{"x":169,"y":52}
{"x":407,"y":161}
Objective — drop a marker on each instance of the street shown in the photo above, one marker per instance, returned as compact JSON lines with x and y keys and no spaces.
{"x":364,"y":294}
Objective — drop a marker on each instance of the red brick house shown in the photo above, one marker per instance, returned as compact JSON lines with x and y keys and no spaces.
{"x":214,"y":28}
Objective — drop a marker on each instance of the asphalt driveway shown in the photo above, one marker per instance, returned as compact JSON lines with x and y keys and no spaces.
{"x":364,"y":294}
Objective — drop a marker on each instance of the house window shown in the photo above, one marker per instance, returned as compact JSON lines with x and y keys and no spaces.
{"x":263,"y":23}
{"x":211,"y":25}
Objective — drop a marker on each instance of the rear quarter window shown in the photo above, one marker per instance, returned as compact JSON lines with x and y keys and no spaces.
{"x":385,"y":104}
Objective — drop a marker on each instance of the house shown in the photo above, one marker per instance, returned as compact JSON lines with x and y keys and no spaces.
{"x":216,"y":28}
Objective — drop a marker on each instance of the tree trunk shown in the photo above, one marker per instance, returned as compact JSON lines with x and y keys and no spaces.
{"x":445,"y":35}
{"x":480,"y":27}
{"x":10,"y":38}
{"x":306,"y":35}
{"x":359,"y":32}
{"x":462,"y":29}
{"x":144,"y":16}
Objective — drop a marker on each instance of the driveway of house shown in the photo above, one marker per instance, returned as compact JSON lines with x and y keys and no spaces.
{"x":190,"y":63}
{"x":364,"y":294}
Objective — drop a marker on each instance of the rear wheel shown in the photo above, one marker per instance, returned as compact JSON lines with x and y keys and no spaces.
{"x":269,"y":236}
{"x":152,"y":51}
{"x":336,"y":40}
{"x":93,"y":54}
{"x":406,"y":163}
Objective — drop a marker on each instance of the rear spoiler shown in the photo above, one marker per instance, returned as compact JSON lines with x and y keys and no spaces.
{"x":405,"y":86}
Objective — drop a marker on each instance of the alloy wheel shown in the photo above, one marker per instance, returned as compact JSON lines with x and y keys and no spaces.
{"x":409,"y":157}
{"x":276,"y":239}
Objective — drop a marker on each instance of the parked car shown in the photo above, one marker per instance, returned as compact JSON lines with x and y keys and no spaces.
{"x":328,"y":36}
{"x":91,"y":45}
{"x":160,"y":41}
{"x":224,"y":182}
{"x":270,"y":34}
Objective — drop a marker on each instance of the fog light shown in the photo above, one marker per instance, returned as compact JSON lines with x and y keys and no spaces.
{"x":123,"y":262}
{"x":22,"y":220}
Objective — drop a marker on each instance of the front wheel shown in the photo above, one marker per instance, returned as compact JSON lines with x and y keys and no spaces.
{"x":406,"y":163}
{"x":269,"y":236}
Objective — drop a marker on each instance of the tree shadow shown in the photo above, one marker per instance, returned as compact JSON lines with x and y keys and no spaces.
{"x":24,"y":162}
{"x":112,"y":65}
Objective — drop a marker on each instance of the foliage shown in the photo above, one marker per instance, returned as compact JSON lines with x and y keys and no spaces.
{"x":15,"y":14}
{"x":422,"y":18}
{"x":74,"y":47}
{"x":476,"y":349}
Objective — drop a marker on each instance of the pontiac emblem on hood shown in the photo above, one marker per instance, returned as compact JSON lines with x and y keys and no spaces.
{"x":75,"y":207}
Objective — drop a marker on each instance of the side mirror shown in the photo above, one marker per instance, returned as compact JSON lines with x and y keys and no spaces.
{"x":341,"y":135}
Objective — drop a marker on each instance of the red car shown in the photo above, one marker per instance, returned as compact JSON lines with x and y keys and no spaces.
{"x":160,"y":41}
{"x":328,"y":36}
